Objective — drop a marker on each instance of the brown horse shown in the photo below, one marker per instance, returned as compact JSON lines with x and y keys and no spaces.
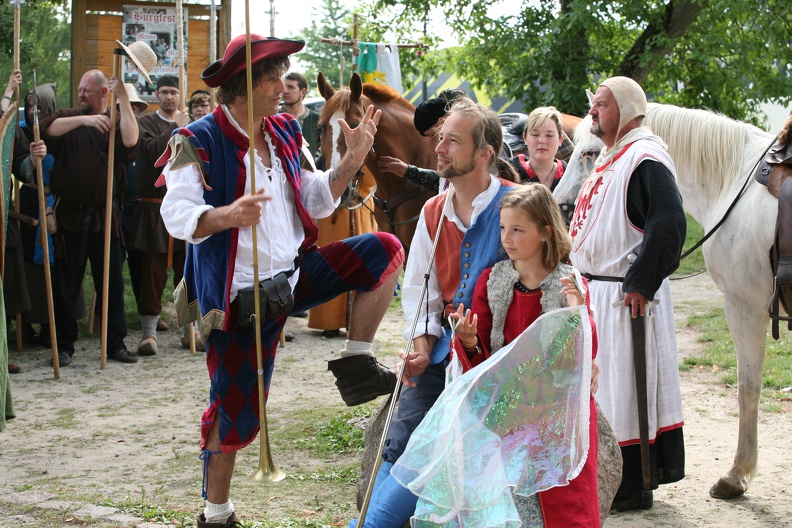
{"x":398,"y":201}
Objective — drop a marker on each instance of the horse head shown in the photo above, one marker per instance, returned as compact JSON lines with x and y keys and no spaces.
{"x":581,"y":162}
{"x":396,"y":136}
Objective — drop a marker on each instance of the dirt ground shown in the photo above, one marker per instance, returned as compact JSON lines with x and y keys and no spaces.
{"x":128,"y":434}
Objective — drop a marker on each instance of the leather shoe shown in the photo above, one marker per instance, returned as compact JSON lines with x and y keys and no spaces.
{"x":200,"y":346}
{"x":148,"y":346}
{"x":329,"y":334}
{"x":162,"y":326}
{"x":231,"y":522}
{"x":64,"y":359}
{"x":122,"y":354}
{"x":636,"y":501}
{"x":13,"y":368}
{"x":361,"y":378}
{"x":289,"y":337}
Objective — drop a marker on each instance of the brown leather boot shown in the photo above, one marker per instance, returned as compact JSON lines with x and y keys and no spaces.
{"x":361,"y":378}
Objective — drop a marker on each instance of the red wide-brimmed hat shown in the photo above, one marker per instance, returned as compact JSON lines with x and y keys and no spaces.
{"x":233,"y":60}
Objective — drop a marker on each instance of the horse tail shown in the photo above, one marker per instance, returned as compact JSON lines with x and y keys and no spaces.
{"x":506,"y":170}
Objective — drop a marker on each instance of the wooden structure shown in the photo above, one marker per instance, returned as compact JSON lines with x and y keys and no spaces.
{"x":97,"y":24}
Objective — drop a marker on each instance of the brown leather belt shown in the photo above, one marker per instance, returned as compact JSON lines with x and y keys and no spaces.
{"x":151,"y":200}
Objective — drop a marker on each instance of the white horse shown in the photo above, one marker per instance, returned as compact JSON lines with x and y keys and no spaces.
{"x":713,"y":156}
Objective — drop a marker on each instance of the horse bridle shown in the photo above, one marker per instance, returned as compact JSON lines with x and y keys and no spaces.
{"x":388,"y":206}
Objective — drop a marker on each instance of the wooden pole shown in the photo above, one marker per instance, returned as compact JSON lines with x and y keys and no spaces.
{"x":43,"y":239}
{"x":266,"y":469}
{"x":182,"y":107}
{"x":109,"y":211}
{"x":17,"y":36}
{"x":212,"y":45}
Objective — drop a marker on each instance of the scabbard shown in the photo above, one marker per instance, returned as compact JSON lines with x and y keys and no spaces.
{"x":639,"y":359}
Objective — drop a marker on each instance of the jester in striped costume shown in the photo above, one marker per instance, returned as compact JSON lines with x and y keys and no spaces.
{"x":209,"y":203}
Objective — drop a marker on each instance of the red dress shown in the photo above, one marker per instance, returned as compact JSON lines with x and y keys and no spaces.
{"x":575,"y":505}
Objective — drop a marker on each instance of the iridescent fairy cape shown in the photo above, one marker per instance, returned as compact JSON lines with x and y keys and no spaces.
{"x":517,"y":423}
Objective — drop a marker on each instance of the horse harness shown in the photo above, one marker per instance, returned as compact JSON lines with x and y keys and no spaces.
{"x":352,"y":199}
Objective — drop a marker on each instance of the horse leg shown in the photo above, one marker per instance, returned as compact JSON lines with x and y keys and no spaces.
{"x":748,"y":326}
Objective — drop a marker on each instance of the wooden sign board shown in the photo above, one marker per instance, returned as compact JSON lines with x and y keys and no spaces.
{"x":97,"y":24}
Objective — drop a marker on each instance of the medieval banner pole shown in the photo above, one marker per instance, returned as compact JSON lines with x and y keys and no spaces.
{"x":183,"y":107}
{"x":266,"y":471}
{"x":43,"y":238}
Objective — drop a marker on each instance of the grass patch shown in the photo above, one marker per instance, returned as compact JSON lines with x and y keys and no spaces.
{"x":66,"y":419}
{"x":719,"y":353}
{"x":325,"y":436}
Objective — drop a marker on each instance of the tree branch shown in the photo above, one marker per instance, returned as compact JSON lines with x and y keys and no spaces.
{"x":660,"y":37}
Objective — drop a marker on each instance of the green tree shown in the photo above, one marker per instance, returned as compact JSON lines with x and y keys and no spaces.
{"x":45,"y":43}
{"x":332,"y":20}
{"x":726,"y":55}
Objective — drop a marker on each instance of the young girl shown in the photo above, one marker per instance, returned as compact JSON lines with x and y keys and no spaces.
{"x":508,"y":298}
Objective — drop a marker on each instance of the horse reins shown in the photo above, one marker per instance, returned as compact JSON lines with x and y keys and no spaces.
{"x":728,"y":211}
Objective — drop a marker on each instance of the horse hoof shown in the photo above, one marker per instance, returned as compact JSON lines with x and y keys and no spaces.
{"x":726,"y":490}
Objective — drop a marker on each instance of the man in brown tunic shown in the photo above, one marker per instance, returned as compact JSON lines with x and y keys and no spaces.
{"x":149,"y":236}
{"x":79,"y":138}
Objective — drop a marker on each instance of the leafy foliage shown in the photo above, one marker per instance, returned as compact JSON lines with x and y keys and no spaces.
{"x":725,"y":55}
{"x":333,"y":20}
{"x":45,"y":43}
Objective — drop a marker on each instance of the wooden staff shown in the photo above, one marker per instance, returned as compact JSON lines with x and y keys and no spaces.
{"x":42,"y":204}
{"x":16,"y":42}
{"x":109,"y":210}
{"x":182,"y":107}
{"x":266,"y":471}
{"x":212,"y":46}
{"x":17,"y":31}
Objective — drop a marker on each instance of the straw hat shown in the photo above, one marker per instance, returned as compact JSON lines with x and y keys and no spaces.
{"x":233,"y":60}
{"x":133,"y":96}
{"x":142,"y":56}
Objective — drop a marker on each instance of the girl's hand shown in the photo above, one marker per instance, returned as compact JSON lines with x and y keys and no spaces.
{"x":466,"y":329}
{"x":573,"y":295}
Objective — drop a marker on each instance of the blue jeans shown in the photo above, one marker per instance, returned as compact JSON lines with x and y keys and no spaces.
{"x":392,"y":504}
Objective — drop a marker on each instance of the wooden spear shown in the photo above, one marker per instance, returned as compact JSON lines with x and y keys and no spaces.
{"x":42,"y":204}
{"x":17,"y":36}
{"x":117,"y":52}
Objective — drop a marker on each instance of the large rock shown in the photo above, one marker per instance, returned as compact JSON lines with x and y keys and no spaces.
{"x":609,"y":461}
{"x":609,"y":465}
